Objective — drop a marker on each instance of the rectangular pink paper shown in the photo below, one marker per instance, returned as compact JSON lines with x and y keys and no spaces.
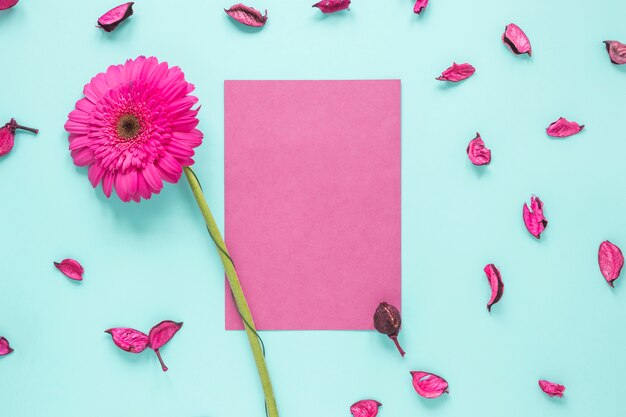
{"x":312,"y":188}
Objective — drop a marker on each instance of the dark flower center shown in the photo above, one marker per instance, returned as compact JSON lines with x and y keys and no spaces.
{"x":128,"y":127}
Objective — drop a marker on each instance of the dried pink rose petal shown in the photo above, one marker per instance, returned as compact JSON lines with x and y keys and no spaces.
{"x":128,"y":339}
{"x":457,"y":72}
{"x":71,"y":268}
{"x":533,"y":217}
{"x":429,"y":385}
{"x":7,"y":4}
{"x":611,"y":261}
{"x":617,"y":52}
{"x":477,"y":152}
{"x":387,"y":321}
{"x":365,"y":408}
{"x":495,"y":282}
{"x":551,"y":388}
{"x":115,"y":16}
{"x":563,"y":128}
{"x":332,"y":6}
{"x":160,"y":335}
{"x":5,"y":349}
{"x":247,"y":15}
{"x":420,"y":5}
{"x":7,"y":135}
{"x":516,"y":40}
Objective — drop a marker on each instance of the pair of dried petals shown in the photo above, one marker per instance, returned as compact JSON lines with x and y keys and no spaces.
{"x":247,"y":15}
{"x":617,"y":52}
{"x":420,"y":5}
{"x":332,"y":6}
{"x":551,"y":388}
{"x":533,"y":217}
{"x":477,"y":152}
{"x":365,"y":408}
{"x":563,"y":128}
{"x":71,"y":269}
{"x":111,"y":19}
{"x":457,"y":72}
{"x":7,"y":135}
{"x":387,"y":321}
{"x":134,"y":341}
{"x":5,"y":348}
{"x":429,"y":385}
{"x":611,"y":261}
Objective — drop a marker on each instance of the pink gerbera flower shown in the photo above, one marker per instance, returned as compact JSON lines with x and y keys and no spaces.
{"x":135,"y":127}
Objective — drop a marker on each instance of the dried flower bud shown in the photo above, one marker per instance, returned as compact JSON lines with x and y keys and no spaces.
{"x":7,"y":4}
{"x":246,"y":15}
{"x":365,"y":408}
{"x":7,"y":135}
{"x":457,"y":72}
{"x":551,"y":388}
{"x":387,"y":321}
{"x":611,"y":261}
{"x":71,"y":269}
{"x":429,"y":385}
{"x":477,"y":152}
{"x":617,"y":52}
{"x":516,"y":40}
{"x":5,"y":349}
{"x":332,"y":6}
{"x":111,"y":19}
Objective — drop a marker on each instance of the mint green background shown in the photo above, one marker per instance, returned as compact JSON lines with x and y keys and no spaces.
{"x":558,"y":319}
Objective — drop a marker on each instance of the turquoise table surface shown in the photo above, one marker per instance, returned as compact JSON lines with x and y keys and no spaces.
{"x":558,"y":318}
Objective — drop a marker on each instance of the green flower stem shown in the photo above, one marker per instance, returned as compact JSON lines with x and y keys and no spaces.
{"x":240,"y":298}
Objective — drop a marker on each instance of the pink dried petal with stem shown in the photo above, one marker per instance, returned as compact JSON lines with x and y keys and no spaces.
{"x":611,"y":261}
{"x":551,"y":388}
{"x":128,"y":339}
{"x":516,"y":40}
{"x":365,"y":408}
{"x":5,"y":349}
{"x":617,"y":52}
{"x":533,"y":217}
{"x":71,"y":269}
{"x":7,"y":135}
{"x":563,"y":128}
{"x":477,"y":152}
{"x":247,"y":15}
{"x":495,"y":282}
{"x":387,"y":321}
{"x":7,"y":4}
{"x":160,"y":335}
{"x":457,"y":72}
{"x":420,"y":5}
{"x":332,"y":6}
{"x":429,"y":385}
{"x":111,"y":19}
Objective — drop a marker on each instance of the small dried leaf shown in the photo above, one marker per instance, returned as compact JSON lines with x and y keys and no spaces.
{"x":429,"y":385}
{"x":533,"y":217}
{"x":247,"y":15}
{"x":611,"y":261}
{"x":420,"y":5}
{"x":457,"y":72}
{"x":5,"y":349}
{"x":617,"y":52}
{"x":332,"y":6}
{"x":162,"y":333}
{"x":516,"y":40}
{"x":111,"y":19}
{"x":128,"y":339}
{"x":495,"y":282}
{"x":563,"y":128}
{"x":71,"y":268}
{"x":7,"y":4}
{"x":365,"y":408}
{"x":551,"y":388}
{"x":477,"y":152}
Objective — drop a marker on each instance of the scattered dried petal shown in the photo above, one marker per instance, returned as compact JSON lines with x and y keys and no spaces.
{"x":71,"y":268}
{"x":332,"y":6}
{"x":162,"y":333}
{"x":7,"y":4}
{"x":563,"y":128}
{"x":611,"y":261}
{"x":617,"y":52}
{"x":247,"y":15}
{"x":365,"y":408}
{"x":5,"y":349}
{"x":387,"y":321}
{"x":495,"y":282}
{"x":457,"y":72}
{"x":420,"y":5}
{"x":533,"y":217}
{"x":7,"y":135}
{"x":115,"y":16}
{"x":516,"y":40}
{"x":128,"y":339}
{"x":477,"y":152}
{"x":551,"y":388}
{"x":429,"y":385}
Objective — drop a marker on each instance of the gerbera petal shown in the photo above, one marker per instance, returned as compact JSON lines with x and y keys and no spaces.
{"x":121,"y":187}
{"x":95,"y":174}
{"x":169,"y":168}
{"x":82,"y":157}
{"x":151,"y":174}
{"x":107,"y":183}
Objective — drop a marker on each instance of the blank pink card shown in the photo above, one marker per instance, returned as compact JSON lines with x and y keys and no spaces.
{"x":313,"y":201}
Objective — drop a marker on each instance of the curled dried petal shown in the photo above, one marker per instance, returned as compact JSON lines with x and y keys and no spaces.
{"x":533,"y":217}
{"x":516,"y":40}
{"x":420,"y":5}
{"x":71,"y":269}
{"x":495,"y":282}
{"x":457,"y":72}
{"x":111,"y":19}
{"x":429,"y":385}
{"x":551,"y":388}
{"x":7,"y":4}
{"x":128,"y":339}
{"x":617,"y":52}
{"x":365,"y":408}
{"x":332,"y":6}
{"x":611,"y":261}
{"x":162,"y":333}
{"x":247,"y":15}
{"x":5,"y":349}
{"x":563,"y":128}
{"x":387,"y":321}
{"x":477,"y":152}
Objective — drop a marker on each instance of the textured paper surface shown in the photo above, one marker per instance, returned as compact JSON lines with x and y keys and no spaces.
{"x":312,"y":187}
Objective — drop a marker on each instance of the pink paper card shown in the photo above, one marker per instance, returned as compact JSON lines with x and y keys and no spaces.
{"x":313,"y":201}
